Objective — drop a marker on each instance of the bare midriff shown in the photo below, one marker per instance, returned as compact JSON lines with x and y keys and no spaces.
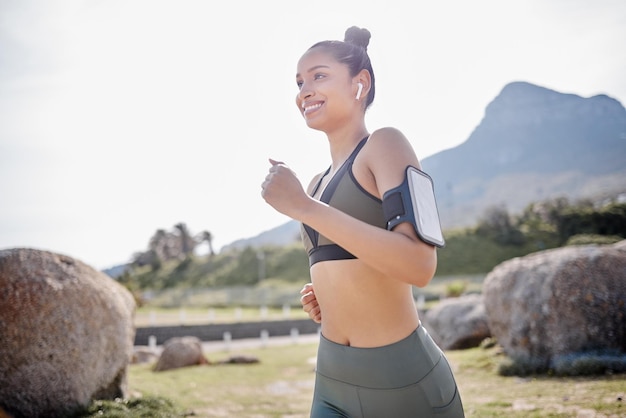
{"x":360,"y":306}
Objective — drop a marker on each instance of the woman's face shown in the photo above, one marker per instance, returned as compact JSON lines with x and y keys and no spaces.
{"x":326,"y":90}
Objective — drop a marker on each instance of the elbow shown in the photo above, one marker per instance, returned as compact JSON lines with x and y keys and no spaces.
{"x":415,"y":264}
{"x":424,"y":276}
{"x":418,"y":273}
{"x":424,"y":269}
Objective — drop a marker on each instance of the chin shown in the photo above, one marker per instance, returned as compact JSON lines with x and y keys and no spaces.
{"x":311,"y":124}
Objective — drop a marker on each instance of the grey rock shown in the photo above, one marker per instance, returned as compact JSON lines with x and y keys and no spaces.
{"x":66,"y":333}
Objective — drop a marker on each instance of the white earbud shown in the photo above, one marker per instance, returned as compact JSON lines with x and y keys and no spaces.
{"x":358,"y":92}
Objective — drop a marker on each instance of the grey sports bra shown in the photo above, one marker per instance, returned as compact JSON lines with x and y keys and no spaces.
{"x":346,"y":194}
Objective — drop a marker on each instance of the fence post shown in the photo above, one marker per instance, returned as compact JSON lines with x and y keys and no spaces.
{"x":227,"y":339}
{"x":294,"y":335}
{"x":264,"y":337}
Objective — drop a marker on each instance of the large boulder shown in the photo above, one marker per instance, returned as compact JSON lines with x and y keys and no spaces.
{"x":66,"y":333}
{"x":560,"y":301}
{"x":458,"y":323}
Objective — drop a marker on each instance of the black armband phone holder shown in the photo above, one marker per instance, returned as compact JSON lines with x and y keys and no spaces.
{"x":414,"y":201}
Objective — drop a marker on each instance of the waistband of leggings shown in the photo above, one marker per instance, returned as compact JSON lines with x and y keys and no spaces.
{"x":391,"y":366}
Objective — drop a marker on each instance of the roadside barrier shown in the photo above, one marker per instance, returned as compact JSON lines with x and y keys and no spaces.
{"x":157,"y":335}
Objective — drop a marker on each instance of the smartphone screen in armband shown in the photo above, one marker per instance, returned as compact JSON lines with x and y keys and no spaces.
{"x":422,"y":192}
{"x":413,"y":201}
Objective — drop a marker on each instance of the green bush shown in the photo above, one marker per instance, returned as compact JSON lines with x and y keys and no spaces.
{"x":586,"y":219}
{"x":145,"y":407}
{"x":469,"y":253}
{"x":587,"y":239}
{"x":456,"y":288}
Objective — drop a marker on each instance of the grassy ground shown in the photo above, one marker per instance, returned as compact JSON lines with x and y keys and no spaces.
{"x":281,"y":385}
{"x":485,"y":394}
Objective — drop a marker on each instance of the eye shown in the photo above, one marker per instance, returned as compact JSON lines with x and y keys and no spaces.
{"x":319,"y":76}
{"x":299,"y":83}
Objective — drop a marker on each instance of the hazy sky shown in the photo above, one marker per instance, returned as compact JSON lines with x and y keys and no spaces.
{"x":120,"y":117}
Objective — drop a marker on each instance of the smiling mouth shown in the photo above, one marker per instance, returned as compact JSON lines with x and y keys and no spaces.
{"x":311,"y":108}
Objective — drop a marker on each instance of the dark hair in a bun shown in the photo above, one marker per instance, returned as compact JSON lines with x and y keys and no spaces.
{"x":357,"y":36}
{"x":352,"y":51}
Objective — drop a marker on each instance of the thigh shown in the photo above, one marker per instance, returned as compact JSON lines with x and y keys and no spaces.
{"x":336,"y":399}
{"x":436,"y":395}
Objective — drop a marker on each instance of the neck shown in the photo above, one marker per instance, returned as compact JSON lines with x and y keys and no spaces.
{"x":343,"y":143}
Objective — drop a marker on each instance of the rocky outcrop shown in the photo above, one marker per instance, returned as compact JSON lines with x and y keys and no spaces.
{"x":180,"y":352}
{"x":144,"y":355}
{"x":458,"y":323}
{"x":555,"y":302}
{"x":66,"y":333}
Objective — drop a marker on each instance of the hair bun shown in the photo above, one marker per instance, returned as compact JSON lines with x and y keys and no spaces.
{"x":358,"y":36}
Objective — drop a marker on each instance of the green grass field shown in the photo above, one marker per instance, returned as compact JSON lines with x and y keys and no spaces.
{"x":281,"y":385}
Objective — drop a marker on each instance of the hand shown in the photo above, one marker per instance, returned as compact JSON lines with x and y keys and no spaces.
{"x":309,"y":303}
{"x":282,"y":189}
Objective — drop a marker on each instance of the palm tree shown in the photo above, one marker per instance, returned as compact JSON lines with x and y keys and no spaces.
{"x":187,"y":243}
{"x":158,"y":244}
{"x":208,"y":237}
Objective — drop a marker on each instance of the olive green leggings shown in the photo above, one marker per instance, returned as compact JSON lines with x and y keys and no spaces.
{"x":409,"y":378}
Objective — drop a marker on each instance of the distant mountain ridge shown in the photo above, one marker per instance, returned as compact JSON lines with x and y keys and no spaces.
{"x":532,"y":144}
{"x":284,"y":234}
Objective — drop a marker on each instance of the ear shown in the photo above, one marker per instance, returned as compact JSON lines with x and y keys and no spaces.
{"x":364,"y":78}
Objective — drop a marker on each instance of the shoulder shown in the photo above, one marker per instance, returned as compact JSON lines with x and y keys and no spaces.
{"x":385,"y":158}
{"x":389,"y":145}
{"x":388,"y":132}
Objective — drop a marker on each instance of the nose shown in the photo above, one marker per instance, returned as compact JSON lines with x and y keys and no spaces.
{"x":305,"y":92}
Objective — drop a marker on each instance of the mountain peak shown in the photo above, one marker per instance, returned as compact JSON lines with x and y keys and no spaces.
{"x":532,"y":144}
{"x":523,"y":103}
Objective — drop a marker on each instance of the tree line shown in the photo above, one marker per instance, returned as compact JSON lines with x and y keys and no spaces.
{"x":170,"y":259}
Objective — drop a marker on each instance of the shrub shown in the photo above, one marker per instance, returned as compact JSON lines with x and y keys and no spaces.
{"x":145,"y":407}
{"x":456,"y":288}
{"x":586,"y":239}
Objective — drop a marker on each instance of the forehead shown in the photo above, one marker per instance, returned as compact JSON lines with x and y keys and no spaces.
{"x":314,"y":58}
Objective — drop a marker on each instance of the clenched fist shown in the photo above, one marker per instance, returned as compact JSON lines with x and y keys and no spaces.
{"x":309,"y":303}
{"x":283,"y":191}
